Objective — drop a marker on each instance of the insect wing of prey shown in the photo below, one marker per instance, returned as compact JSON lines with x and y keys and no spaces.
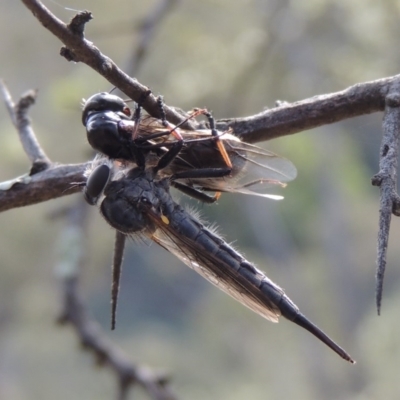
{"x":113,"y":131}
{"x":254,"y":169}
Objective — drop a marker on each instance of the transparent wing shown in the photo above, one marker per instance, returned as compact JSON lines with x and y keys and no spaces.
{"x":261,"y":163}
{"x":255,"y":170}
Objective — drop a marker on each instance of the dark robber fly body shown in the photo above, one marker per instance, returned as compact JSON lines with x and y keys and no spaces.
{"x":120,"y":134}
{"x":137,"y":201}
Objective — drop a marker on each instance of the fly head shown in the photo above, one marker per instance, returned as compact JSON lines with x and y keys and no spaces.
{"x":104,"y":101}
{"x":109,"y":126}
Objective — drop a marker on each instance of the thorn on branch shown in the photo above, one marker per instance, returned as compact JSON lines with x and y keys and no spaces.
{"x":386,"y":179}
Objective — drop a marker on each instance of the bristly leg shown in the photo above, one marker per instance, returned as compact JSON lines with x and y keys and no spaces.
{"x":137,"y":115}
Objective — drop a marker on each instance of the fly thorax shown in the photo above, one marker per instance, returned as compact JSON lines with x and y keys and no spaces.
{"x":125,"y":215}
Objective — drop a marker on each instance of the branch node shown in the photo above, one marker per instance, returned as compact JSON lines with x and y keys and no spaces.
{"x":77,"y":23}
{"x":392,"y":100}
{"x":38,"y":166}
{"x":377,"y":179}
{"x":68,"y":54}
{"x":106,"y":65}
{"x":21,"y":108}
{"x":396,"y":205}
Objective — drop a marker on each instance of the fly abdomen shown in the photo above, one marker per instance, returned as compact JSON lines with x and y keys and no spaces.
{"x":288,"y":309}
{"x":227,"y":258}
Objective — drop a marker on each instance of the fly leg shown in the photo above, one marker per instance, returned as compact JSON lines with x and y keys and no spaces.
{"x":137,"y":115}
{"x":175,"y":149}
{"x":173,"y":130}
{"x":195,"y":193}
{"x":219,"y":143}
{"x":215,"y":134}
{"x":137,"y":152}
{"x":169,"y":156}
{"x":194,"y":114}
{"x":203,"y":173}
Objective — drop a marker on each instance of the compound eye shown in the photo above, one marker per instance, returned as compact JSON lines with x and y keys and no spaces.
{"x":96,"y":183}
{"x":127,"y":111}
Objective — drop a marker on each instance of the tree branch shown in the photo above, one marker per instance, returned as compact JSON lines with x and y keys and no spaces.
{"x":360,"y":99}
{"x":56,"y":181}
{"x":45,"y":180}
{"x":19,"y":116}
{"x":386,"y":179}
{"x":290,"y":118}
{"x":363,"y":98}
{"x":78,"y":49}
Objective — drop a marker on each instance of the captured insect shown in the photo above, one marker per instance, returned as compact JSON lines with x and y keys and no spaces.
{"x":137,"y":202}
{"x":119,"y":133}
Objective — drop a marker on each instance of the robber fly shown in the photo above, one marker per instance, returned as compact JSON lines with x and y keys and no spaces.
{"x":120,"y":134}
{"x":137,"y":202}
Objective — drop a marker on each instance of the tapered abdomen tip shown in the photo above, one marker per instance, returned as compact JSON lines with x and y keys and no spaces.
{"x":302,"y":321}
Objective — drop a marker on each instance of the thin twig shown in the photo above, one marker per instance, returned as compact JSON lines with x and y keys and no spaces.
{"x":360,"y":99}
{"x":290,"y":118}
{"x":78,"y":49}
{"x":91,"y":336}
{"x":386,"y":179}
{"x":287,"y":119}
{"x":45,"y":180}
{"x":19,"y":116}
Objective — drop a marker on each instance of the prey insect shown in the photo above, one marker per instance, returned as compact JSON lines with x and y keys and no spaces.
{"x":119,"y":133}
{"x":137,"y":202}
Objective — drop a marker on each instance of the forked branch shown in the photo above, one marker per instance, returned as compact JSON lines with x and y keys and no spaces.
{"x":360,"y":99}
{"x":46,"y":180}
{"x":79,"y":49}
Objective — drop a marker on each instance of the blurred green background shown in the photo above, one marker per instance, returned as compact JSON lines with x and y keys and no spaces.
{"x":319,"y":244}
